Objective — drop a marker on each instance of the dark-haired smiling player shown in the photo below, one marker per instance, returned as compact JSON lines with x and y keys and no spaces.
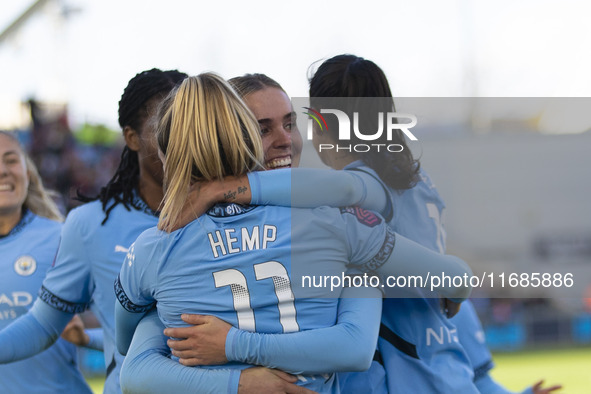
{"x":96,"y":236}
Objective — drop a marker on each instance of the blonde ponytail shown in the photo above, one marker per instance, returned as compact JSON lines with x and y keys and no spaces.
{"x":206,"y":132}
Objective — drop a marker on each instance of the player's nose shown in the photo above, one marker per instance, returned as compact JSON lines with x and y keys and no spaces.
{"x":281,"y":138}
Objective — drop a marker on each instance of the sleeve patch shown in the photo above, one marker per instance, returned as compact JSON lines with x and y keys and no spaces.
{"x":482,"y":370}
{"x":60,"y":304}
{"x":383,"y":254}
{"x":126,"y":302}
{"x":363,"y":216}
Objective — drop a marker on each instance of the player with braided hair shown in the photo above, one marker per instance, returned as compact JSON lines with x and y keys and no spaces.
{"x":93,"y":247}
{"x":135,"y":166}
{"x":462,"y":364}
{"x":205,"y":114}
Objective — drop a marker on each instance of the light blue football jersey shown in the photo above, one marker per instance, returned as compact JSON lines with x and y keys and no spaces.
{"x":88,"y":262}
{"x":236,"y":263}
{"x":26,"y":254}
{"x":419,"y":346}
{"x":473,"y":340}
{"x":417,"y":215}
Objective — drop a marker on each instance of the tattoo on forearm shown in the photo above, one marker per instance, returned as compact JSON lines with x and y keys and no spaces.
{"x":230,"y":195}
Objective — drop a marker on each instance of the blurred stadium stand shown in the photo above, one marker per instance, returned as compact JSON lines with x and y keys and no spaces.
{"x":68,"y":163}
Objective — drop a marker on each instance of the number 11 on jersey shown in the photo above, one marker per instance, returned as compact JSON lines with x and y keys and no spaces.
{"x":273,"y":270}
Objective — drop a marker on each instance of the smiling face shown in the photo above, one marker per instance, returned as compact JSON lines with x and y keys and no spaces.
{"x":282,"y":141}
{"x":14,"y":180}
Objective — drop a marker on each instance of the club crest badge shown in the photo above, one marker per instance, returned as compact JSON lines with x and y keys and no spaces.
{"x":25,"y":265}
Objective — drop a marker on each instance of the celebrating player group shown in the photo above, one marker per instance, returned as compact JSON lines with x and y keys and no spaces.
{"x":191,"y":257}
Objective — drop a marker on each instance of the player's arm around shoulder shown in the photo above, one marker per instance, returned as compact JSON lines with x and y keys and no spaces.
{"x":134,"y":288}
{"x":377,"y":248}
{"x":68,"y":284}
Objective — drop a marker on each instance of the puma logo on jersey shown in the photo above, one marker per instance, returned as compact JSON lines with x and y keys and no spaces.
{"x":130,"y":258}
{"x":119,"y":248}
{"x":480,"y":337}
{"x":325,"y":376}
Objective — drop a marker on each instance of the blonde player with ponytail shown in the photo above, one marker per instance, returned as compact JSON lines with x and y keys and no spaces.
{"x":221,"y":138}
{"x":235,"y":262}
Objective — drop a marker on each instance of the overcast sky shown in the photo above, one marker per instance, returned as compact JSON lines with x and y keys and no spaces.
{"x":427,"y":47}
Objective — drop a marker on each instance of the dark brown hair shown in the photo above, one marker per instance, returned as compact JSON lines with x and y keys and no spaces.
{"x":356,"y":77}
